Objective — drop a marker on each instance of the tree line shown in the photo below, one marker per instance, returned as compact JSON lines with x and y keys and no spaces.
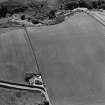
{"x":42,"y":9}
{"x":90,"y":4}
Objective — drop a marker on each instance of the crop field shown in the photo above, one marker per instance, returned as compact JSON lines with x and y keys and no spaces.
{"x":71,"y":56}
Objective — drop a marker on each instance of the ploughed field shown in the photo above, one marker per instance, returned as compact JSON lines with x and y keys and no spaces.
{"x":71,"y":58}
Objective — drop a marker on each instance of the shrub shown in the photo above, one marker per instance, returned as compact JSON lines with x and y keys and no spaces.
{"x":102,"y":6}
{"x":3,"y":11}
{"x":51,"y":14}
{"x":35,"y":21}
{"x":23,"y":17}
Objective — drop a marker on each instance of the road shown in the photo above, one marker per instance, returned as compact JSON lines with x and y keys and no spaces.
{"x":71,"y":58}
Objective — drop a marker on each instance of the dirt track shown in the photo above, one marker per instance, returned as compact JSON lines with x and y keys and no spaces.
{"x":71,"y":56}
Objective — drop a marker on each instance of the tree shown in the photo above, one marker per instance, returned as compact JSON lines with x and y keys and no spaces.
{"x":51,"y":14}
{"x":11,"y":7}
{"x":70,"y":4}
{"x":3,"y":11}
{"x":40,"y":9}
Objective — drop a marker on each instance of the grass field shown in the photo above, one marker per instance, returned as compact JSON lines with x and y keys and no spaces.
{"x":17,"y":97}
{"x":15,"y":61}
{"x":16,"y":58}
{"x":71,"y":56}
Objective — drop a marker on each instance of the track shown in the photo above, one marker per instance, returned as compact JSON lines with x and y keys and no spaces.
{"x":21,"y":86}
{"x":101,"y":13}
{"x":97,"y":18}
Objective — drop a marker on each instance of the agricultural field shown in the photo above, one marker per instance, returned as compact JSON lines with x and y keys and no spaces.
{"x":71,"y":56}
{"x":16,"y":59}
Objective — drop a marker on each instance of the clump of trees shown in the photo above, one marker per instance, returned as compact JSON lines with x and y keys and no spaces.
{"x":40,"y":8}
{"x":11,"y":8}
{"x":90,"y":4}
